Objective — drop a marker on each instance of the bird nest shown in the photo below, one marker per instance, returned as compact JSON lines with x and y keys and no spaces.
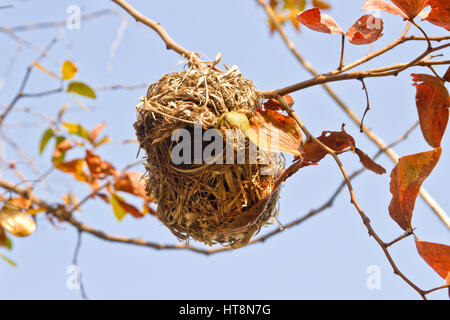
{"x":213,"y":202}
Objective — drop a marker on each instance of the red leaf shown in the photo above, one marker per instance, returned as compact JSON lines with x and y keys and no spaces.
{"x":406,"y":179}
{"x":447,"y":75}
{"x":336,"y":140}
{"x":368,"y":163}
{"x":411,"y":7}
{"x":2,"y":237}
{"x":314,"y":20}
{"x":375,"y":5}
{"x":274,"y":104}
{"x":436,"y":255}
{"x":274,"y":132}
{"x":366,"y":30}
{"x":440,"y":13}
{"x":433,"y":102}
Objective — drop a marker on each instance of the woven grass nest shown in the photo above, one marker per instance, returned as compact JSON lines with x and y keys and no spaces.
{"x":212,"y":203}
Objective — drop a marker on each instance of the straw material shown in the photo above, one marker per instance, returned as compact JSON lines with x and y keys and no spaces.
{"x":212,"y":203}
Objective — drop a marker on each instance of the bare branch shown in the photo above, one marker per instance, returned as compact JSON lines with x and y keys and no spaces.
{"x":60,"y":23}
{"x":75,"y":262}
{"x":393,"y":70}
{"x":24,"y":82}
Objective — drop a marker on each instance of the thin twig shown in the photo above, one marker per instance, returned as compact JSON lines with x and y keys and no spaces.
{"x":437,"y":288}
{"x":403,"y":236}
{"x":341,"y":61}
{"x":75,"y":263}
{"x":24,"y":83}
{"x":393,"y":70}
{"x":60,"y":23}
{"x":367,"y":106}
{"x":423,"y":32}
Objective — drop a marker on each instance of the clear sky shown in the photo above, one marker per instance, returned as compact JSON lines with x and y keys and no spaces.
{"x":327,"y":257}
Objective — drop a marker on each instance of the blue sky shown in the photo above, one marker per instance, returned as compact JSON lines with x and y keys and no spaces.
{"x":325,"y":258}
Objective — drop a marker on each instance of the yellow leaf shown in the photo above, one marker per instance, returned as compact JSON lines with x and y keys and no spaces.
{"x":16,"y":222}
{"x":68,"y":70}
{"x":48,"y":134}
{"x":81,"y":89}
{"x":236,"y":119}
{"x":79,"y":130}
{"x":118,"y":210}
{"x":34,"y":211}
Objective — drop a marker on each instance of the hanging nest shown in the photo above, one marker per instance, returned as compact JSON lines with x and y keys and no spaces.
{"x":212,"y":203}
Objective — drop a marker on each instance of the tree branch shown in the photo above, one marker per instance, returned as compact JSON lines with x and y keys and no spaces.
{"x":393,"y":70}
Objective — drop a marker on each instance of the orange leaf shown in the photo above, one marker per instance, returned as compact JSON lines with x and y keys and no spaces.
{"x":60,"y":150}
{"x":99,"y":169}
{"x":433,"y":102}
{"x":366,"y":30}
{"x":74,"y":168}
{"x":436,"y":255}
{"x":293,"y":19}
{"x":274,"y":104}
{"x":273,"y":132}
{"x":406,"y":179}
{"x":375,"y":5}
{"x":368,"y":163}
{"x":131,"y":182}
{"x":70,"y":166}
{"x":314,"y":20}
{"x":411,"y":7}
{"x":336,"y":140}
{"x":130,"y":208}
{"x":440,"y":13}
{"x":281,"y":20}
{"x":273,"y":3}
{"x":95,"y":132}
{"x":321,"y":5}
{"x":64,"y":145}
{"x":20,"y":202}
